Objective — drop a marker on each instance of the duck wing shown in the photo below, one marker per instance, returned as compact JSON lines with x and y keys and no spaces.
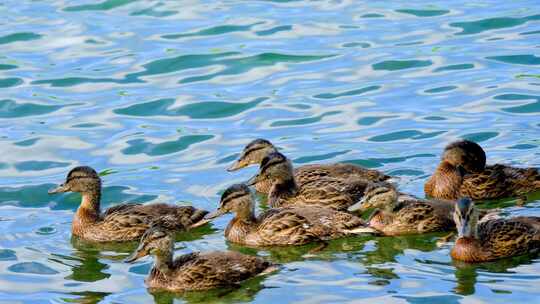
{"x":333,"y":193}
{"x":489,"y":184}
{"x":119,"y":209}
{"x":129,"y":221}
{"x":329,"y":224}
{"x":421,"y":217}
{"x":523,"y":180}
{"x":217,"y":269}
{"x":284,"y":226}
{"x":308,"y":173}
{"x":510,"y":237}
{"x":498,"y":181}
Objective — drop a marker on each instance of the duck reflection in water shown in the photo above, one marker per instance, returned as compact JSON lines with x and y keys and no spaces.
{"x":468,"y":275}
{"x":245,"y":292}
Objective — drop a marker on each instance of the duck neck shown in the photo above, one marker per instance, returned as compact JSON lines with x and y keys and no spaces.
{"x":282,"y":189}
{"x":241,"y":225}
{"x":246,"y":214}
{"x":446,"y":182}
{"x":88,"y":212}
{"x":90,"y":204}
{"x":163,"y":265}
{"x":468,"y":249}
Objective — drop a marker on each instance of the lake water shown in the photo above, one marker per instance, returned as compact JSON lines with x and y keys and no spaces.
{"x":160,"y":96}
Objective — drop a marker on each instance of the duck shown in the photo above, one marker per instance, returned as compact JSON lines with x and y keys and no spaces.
{"x":402,"y":214}
{"x":494,"y":238}
{"x":197,"y":270}
{"x":120,"y":223}
{"x":329,"y":192}
{"x":398,"y":213}
{"x":477,"y":180}
{"x":282,"y":226}
{"x":255,"y":151}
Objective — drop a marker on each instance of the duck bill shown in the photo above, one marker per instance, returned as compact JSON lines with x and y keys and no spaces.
{"x":139,"y":253}
{"x":359,"y":206}
{"x":215,"y":214}
{"x":60,"y":189}
{"x":236,"y":165}
{"x":463,"y":230}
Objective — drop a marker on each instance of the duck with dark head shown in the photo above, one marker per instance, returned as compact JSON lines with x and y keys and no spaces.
{"x":124,"y":222}
{"x":478,"y":180}
{"x":492,"y":238}
{"x":194,"y":271}
{"x":256,"y":150}
{"x":293,"y":225}
{"x":334,"y":193}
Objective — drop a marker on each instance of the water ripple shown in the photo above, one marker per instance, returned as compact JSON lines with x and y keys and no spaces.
{"x":160,"y":97}
{"x":479,"y":26}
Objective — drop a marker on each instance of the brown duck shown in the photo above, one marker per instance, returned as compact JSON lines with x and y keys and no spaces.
{"x":492,"y":239}
{"x":478,"y":181}
{"x":282,"y":226}
{"x":256,"y":150}
{"x":401,"y":214}
{"x":194,"y":271}
{"x":125,"y":222}
{"x":334,"y":193}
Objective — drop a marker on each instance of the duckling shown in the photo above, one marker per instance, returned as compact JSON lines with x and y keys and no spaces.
{"x":282,"y":226}
{"x":401,"y":214}
{"x":125,"y":222}
{"x":256,"y":150}
{"x":480,"y":182}
{"x":492,"y":239}
{"x":194,"y":271}
{"x":334,"y":193}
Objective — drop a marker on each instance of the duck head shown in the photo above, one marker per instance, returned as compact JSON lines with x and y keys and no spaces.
{"x":275,"y":167}
{"x":378,"y":195}
{"x":466,"y":218}
{"x":237,"y":199}
{"x":80,"y":179}
{"x":465,"y":153}
{"x":252,"y":154}
{"x":157,"y":240}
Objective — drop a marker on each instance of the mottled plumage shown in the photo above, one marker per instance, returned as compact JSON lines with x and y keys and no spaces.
{"x":329,"y":192}
{"x":492,"y":239}
{"x":282,"y":226}
{"x":256,"y":150}
{"x":478,"y":181}
{"x":400,"y":214}
{"x":125,"y":222}
{"x":194,"y":271}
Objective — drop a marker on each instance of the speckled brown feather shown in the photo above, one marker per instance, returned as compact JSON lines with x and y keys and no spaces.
{"x":444,"y":183}
{"x":124,"y":222}
{"x":481,"y":182}
{"x":415,"y":216}
{"x":128,"y":222}
{"x":292,"y":226}
{"x":500,"y":238}
{"x":337,"y":194}
{"x":308,"y":173}
{"x":202,"y":271}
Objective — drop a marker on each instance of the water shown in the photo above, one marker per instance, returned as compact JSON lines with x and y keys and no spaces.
{"x":161,"y":96}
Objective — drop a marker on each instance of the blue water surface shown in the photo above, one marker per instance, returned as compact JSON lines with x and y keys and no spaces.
{"x":160,"y":97}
